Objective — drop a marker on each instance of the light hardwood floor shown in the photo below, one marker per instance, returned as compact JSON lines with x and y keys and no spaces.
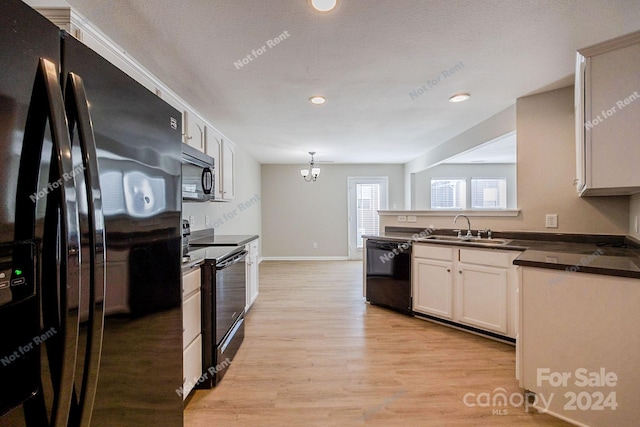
{"x":315,"y":354}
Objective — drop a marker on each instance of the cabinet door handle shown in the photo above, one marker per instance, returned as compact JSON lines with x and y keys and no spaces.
{"x":448,"y":270}
{"x":460,"y":271}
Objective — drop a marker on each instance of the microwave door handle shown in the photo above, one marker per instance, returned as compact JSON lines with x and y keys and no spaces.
{"x":207,"y":181}
{"x":79,"y":115}
{"x":61,"y":252}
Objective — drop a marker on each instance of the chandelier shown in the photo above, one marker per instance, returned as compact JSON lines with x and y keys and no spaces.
{"x":311,"y":173}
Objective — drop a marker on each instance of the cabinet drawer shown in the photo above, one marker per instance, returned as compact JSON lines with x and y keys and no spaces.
{"x":433,"y":252}
{"x":191,"y":365}
{"x":191,"y":318}
{"x":491,"y":258}
{"x":190,"y":281}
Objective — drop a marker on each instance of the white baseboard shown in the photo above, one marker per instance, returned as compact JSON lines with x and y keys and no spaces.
{"x":305,"y":258}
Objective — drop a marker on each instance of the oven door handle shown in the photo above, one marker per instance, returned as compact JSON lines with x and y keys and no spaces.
{"x":235,"y":259}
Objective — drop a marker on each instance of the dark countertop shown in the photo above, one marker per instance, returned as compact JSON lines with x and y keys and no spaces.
{"x":607,"y":255}
{"x":596,"y":262}
{"x":210,"y":253}
{"x":193,"y":262}
{"x":198,"y":239}
{"x":512,"y":245}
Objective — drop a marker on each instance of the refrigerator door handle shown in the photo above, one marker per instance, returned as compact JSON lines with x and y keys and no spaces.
{"x":62,"y":221}
{"x":79,"y":115}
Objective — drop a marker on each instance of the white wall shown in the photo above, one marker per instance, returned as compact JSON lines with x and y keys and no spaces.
{"x":243,"y":214}
{"x":422,"y":180}
{"x":494,"y":127}
{"x":296,"y":213}
{"x":546,"y":171}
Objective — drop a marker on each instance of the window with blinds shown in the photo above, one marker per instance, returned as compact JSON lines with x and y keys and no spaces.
{"x":368,"y":199}
{"x":488,"y":193}
{"x":448,"y":193}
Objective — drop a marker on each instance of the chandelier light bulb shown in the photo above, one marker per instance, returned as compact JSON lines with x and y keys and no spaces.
{"x":311,"y":173}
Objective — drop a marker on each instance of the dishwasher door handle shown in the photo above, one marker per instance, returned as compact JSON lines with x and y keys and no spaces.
{"x":384,"y":246}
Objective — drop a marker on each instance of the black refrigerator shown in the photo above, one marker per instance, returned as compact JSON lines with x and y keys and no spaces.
{"x":90,"y":237}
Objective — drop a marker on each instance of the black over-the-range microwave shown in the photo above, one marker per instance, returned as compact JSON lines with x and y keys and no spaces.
{"x":198,"y":181}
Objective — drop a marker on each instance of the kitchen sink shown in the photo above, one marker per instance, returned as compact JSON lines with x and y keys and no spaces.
{"x":475,"y":240}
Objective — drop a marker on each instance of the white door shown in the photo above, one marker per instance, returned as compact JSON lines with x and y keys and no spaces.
{"x":367,"y":195}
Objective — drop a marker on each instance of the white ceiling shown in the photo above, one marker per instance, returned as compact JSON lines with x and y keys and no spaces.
{"x":366,"y":58}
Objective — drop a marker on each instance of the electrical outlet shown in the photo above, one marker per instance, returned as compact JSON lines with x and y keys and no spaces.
{"x":402,"y":218}
{"x":192,"y":220}
{"x":207,"y":221}
{"x":412,"y":218}
{"x":315,"y":245}
{"x":552,"y":220}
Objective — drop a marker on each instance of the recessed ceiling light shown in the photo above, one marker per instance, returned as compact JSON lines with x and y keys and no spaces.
{"x":318,"y":100}
{"x":459,"y":97}
{"x":324,"y":5}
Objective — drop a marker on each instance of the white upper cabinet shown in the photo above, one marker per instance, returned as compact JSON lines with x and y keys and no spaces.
{"x":194,"y":131}
{"x":76,"y":25}
{"x":214,"y":149}
{"x":197,"y":131}
{"x":608,"y":117}
{"x":227,"y":172}
{"x":223,"y":153}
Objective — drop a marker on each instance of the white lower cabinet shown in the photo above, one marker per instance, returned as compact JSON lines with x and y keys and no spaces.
{"x":578,"y":349}
{"x":473,"y":287}
{"x":192,"y":367}
{"x":483,"y":298}
{"x":191,"y":331}
{"x":433,"y":281}
{"x":253,"y":283}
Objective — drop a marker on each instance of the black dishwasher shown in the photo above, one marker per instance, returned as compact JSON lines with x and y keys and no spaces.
{"x":388,"y":281}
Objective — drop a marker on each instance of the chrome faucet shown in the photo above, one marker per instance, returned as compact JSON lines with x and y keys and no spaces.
{"x":468,"y":223}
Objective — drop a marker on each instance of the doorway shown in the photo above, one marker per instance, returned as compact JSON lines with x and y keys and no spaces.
{"x":367,"y":195}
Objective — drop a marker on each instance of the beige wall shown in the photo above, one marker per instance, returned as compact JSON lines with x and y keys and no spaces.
{"x":243,"y":214}
{"x":546,"y":171}
{"x":634,"y":211}
{"x":296,"y":213}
